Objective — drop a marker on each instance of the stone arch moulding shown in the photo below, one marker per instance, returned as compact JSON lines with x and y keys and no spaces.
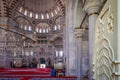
{"x":22,"y":17}
{"x":56,"y":36}
{"x":106,"y":53}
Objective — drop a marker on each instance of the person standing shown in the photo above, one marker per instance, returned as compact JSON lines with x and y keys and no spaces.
{"x":53,"y":72}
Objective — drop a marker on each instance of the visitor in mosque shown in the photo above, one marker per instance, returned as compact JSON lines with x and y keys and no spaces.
{"x":34,"y":63}
{"x":14,"y":62}
{"x":27,"y":64}
{"x":23,"y":64}
{"x":49,"y":63}
{"x":53,"y":72}
{"x":11,"y":64}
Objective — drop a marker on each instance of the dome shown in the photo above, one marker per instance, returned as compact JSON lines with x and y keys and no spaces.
{"x":24,"y":24}
{"x":41,"y":9}
{"x":42,"y":28}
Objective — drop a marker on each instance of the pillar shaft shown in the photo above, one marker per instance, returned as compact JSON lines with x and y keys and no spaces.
{"x":92,"y":8}
{"x":92,"y":20}
{"x":70,"y":53}
{"x":79,"y":34}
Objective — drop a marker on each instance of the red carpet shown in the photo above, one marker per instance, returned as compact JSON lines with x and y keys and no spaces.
{"x":30,"y":74}
{"x":23,"y":71}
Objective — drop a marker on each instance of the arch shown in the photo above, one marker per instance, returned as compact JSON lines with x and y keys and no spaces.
{"x":42,"y":28}
{"x":106,"y":44}
{"x":24,"y":23}
{"x":42,"y":61}
{"x":55,"y":37}
{"x":78,"y":9}
{"x":23,"y":18}
{"x":106,"y":77}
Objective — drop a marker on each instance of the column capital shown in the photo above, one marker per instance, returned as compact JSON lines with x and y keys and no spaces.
{"x":78,"y":32}
{"x":93,"y":6}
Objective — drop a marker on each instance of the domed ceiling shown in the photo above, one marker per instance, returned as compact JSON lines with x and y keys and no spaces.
{"x":42,"y":12}
{"x":37,"y":5}
{"x":41,"y":9}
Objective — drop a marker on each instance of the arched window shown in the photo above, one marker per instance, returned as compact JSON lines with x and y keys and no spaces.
{"x":31,"y":14}
{"x":59,"y":27}
{"x":52,"y":14}
{"x":44,"y":31}
{"x":42,"y":63}
{"x":40,"y":30}
{"x":20,"y":10}
{"x":47,"y":30}
{"x":55,"y":27}
{"x":48,"y":16}
{"x":30,"y":28}
{"x":61,"y":53}
{"x":57,"y":53}
{"x":25,"y":27}
{"x":36,"y":16}
{"x":37,"y":30}
{"x":25,"y":13}
{"x":42,"y":16}
{"x":55,"y":11}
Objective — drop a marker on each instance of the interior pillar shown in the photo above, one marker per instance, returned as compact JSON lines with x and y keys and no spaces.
{"x":79,"y":34}
{"x":92,"y":8}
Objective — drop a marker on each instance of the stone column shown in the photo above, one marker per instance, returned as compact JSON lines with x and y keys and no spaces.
{"x":92,"y":7}
{"x":79,"y":34}
{"x":70,"y":53}
{"x":117,"y":62}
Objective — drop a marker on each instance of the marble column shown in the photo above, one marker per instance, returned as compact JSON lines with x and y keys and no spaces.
{"x":117,"y":72}
{"x":79,"y":34}
{"x":70,"y":53}
{"x":92,"y":8}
